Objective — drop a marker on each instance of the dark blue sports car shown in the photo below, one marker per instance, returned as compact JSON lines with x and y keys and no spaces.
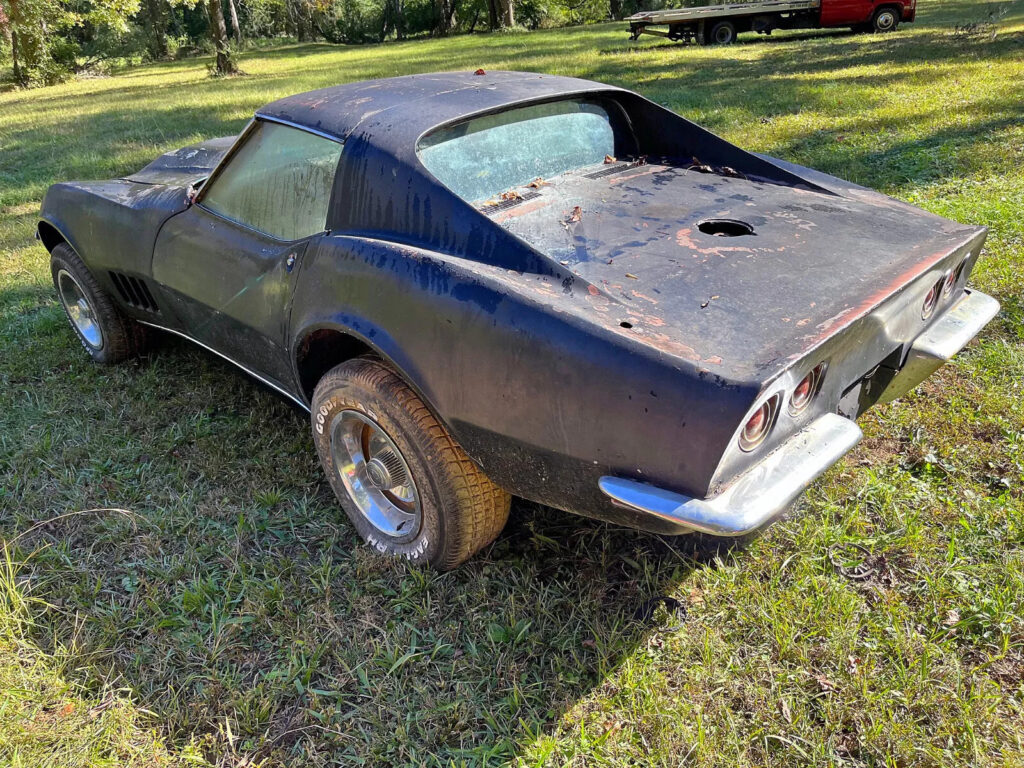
{"x":484,"y":284}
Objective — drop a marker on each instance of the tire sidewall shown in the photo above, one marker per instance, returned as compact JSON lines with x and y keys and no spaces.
{"x":64,"y":259}
{"x":882,"y":14}
{"x":428,"y":544}
{"x":718,"y":29}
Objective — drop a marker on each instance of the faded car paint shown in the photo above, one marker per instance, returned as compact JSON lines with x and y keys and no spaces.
{"x":590,"y":330}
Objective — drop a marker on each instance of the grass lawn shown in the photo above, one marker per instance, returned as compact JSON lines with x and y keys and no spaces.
{"x":178,"y":587}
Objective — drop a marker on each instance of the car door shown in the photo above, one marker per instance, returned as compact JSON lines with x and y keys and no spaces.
{"x":835,"y":13}
{"x":229,"y":261}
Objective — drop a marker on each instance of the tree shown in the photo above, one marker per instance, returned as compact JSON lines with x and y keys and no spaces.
{"x":225,"y":64}
{"x":234,"y":21}
{"x":42,"y":46}
{"x":156,"y":12}
{"x":445,"y":22}
{"x":300,"y":14}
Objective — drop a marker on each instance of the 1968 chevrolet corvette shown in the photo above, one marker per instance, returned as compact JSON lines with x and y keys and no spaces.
{"x":483,"y":284}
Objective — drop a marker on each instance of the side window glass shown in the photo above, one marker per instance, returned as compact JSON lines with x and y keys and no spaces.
{"x":279,"y":182}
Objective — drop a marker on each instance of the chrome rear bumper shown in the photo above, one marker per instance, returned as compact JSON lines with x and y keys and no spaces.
{"x":765,"y":490}
{"x":757,"y":495}
{"x":933,"y":348}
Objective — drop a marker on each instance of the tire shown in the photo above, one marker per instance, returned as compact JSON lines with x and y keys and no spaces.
{"x":722,"y":33}
{"x":886,"y":19}
{"x":436,"y":507}
{"x":106,"y":333}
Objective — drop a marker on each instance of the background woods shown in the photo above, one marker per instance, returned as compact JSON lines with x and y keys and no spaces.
{"x":47,"y":41}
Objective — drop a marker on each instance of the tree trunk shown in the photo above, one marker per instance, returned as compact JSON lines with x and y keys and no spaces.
{"x":225,"y":66}
{"x":398,"y":8}
{"x":301,"y":11}
{"x":21,"y":60}
{"x":156,"y":37}
{"x":492,"y":14}
{"x":234,"y":21}
{"x":616,"y":9}
{"x":508,"y":19}
{"x":20,"y":77}
{"x":445,"y":22}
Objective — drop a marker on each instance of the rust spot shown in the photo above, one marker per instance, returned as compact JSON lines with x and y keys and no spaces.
{"x":684,"y":240}
{"x":639,"y":295}
{"x":648,"y":170}
{"x":519,"y":210}
{"x":850,"y":314}
{"x":592,"y":290}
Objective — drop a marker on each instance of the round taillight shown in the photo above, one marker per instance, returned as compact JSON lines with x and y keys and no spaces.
{"x":949,"y":282}
{"x":960,"y":269}
{"x":806,"y":389}
{"x":759,"y":425}
{"x":930,"y":300}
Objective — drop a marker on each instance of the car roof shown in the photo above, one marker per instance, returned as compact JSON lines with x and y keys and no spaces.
{"x":404,"y":107}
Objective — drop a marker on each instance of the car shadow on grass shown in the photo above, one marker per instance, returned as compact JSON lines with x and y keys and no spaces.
{"x":177,"y":522}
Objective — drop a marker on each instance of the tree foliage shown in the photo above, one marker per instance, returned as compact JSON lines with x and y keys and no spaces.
{"x":45,"y":41}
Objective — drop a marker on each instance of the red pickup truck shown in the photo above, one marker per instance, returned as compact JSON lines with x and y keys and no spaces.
{"x":719,"y":24}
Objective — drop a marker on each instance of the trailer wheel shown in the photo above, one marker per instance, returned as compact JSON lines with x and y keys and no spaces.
{"x":723,"y":33}
{"x":885,"y":20}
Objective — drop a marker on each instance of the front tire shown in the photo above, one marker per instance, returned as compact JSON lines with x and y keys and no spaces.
{"x":406,"y":485}
{"x":105,"y":332}
{"x":885,"y":20}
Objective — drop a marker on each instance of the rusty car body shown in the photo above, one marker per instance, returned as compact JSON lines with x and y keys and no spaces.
{"x":674,"y":334}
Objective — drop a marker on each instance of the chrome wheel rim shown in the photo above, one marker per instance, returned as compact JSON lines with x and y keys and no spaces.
{"x":375,"y":474}
{"x":80,"y":311}
{"x":886,"y":20}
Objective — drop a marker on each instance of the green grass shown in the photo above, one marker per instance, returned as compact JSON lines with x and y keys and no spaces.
{"x":180,"y":584}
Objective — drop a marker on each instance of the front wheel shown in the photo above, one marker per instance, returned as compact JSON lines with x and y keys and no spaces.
{"x":406,"y":485}
{"x":885,"y":20}
{"x":105,"y":332}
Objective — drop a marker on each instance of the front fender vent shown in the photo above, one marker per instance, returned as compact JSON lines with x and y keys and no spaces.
{"x":134,"y":292}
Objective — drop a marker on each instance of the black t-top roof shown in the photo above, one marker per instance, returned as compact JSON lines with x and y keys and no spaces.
{"x":408,"y":106}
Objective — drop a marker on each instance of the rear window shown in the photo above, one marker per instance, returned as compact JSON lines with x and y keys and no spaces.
{"x":483,"y":157}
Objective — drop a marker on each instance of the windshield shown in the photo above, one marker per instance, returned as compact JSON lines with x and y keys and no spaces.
{"x":485,"y":156}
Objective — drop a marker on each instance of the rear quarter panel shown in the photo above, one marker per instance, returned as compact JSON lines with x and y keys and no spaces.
{"x":541,"y":390}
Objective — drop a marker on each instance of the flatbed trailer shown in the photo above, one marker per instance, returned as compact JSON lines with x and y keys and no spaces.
{"x":719,"y":24}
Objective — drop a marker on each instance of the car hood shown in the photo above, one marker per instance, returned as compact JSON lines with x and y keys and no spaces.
{"x":184,"y":166}
{"x":744,"y":306}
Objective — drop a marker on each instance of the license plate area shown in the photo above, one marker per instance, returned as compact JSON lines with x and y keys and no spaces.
{"x":865,"y":391}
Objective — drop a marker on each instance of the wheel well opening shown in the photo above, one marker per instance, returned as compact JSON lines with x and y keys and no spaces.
{"x":320,"y":351}
{"x":49,"y":236}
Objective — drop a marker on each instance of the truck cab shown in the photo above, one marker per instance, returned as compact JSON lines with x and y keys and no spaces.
{"x":882,"y":15}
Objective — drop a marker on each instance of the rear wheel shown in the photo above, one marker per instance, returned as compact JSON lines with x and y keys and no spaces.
{"x":406,"y":485}
{"x":105,"y":332}
{"x":885,"y":20}
{"x":723,"y":33}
